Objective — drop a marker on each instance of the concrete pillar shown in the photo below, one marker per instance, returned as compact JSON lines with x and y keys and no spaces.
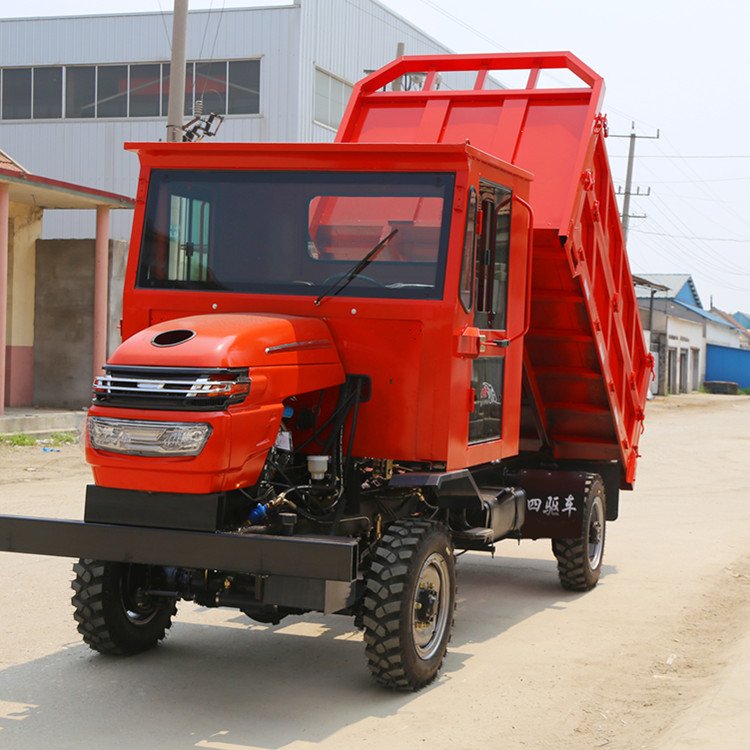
{"x":101,"y":289}
{"x":4,"y":216}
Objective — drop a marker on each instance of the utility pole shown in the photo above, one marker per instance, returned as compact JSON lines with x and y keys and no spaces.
{"x":176,"y":101}
{"x":398,"y":83}
{"x":626,"y":216}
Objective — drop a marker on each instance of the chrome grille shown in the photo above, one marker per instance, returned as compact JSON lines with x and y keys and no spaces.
{"x":183,"y":388}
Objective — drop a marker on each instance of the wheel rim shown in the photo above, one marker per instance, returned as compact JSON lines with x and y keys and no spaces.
{"x":430,"y":606}
{"x":596,"y":533}
{"x":138,"y":607}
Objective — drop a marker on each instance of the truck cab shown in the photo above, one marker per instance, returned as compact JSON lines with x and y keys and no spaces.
{"x":241,"y":305}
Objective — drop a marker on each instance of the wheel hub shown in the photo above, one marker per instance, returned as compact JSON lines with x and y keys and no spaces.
{"x":139,"y":607}
{"x":431,"y":616}
{"x":595,"y":533}
{"x":425,"y":606}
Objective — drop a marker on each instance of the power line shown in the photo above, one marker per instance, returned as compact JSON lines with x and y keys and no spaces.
{"x":666,"y":251}
{"x":682,"y":156}
{"x":684,"y":256}
{"x":164,"y":23}
{"x":671,"y":258}
{"x":709,"y":253}
{"x":688,"y":168}
{"x":205,"y":29}
{"x":688,"y":237}
{"x":700,"y":181}
{"x":694,"y":211}
{"x":465,"y":25}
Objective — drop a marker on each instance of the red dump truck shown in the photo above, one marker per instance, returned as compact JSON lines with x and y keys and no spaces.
{"x":343,"y":362}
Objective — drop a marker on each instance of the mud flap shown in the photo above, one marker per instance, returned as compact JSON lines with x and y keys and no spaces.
{"x":554,"y":503}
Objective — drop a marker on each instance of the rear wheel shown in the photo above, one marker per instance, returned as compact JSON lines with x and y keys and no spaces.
{"x":114,"y":614}
{"x":410,"y":598}
{"x":579,"y":560}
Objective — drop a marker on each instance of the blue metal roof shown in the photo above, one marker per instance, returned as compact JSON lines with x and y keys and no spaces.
{"x":703,"y":313}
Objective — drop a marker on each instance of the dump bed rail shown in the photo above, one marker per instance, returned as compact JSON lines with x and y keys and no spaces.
{"x":586,"y":367}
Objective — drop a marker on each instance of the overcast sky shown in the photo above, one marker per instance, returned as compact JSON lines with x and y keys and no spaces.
{"x":679,"y":66}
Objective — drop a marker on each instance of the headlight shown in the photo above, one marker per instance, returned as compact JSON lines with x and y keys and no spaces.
{"x":145,"y":438}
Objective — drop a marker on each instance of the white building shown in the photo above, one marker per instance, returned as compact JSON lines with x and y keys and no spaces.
{"x":678,"y":329}
{"x":74,"y":89}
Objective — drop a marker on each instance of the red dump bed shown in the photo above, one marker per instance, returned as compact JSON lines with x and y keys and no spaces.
{"x":586,"y":365}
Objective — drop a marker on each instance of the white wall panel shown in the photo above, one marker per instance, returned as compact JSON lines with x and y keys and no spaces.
{"x":347,"y":37}
{"x":142,"y":37}
{"x":344,"y":37}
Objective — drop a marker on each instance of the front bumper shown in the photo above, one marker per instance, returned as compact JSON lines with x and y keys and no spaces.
{"x":321,"y":558}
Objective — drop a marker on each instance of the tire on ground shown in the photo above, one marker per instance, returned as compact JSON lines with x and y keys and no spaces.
{"x":409,"y":602}
{"x":112,"y":617}
{"x":579,"y":560}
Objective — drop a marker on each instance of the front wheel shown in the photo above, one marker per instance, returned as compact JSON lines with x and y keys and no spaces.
{"x":409,"y":601}
{"x":115,"y":615}
{"x":579,"y":560}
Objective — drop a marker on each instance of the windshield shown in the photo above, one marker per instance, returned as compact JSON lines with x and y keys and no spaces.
{"x":296,"y":232}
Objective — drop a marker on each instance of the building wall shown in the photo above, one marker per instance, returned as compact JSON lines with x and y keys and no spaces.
{"x":348,"y":39}
{"x":675,"y":330}
{"x":722,"y":335}
{"x":728,"y":364}
{"x":24,"y":229}
{"x":686,"y":336}
{"x":64,"y":329}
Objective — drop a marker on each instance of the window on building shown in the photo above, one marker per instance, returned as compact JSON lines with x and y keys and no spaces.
{"x":188,"y":111}
{"x":211,"y":86}
{"x":331,"y":97}
{"x":16,"y":93}
{"x":47,"y":93}
{"x":80,"y":91}
{"x":138,"y":90}
{"x":244,"y":87}
{"x":112,"y":91}
{"x":189,"y":83}
{"x":145,"y":82}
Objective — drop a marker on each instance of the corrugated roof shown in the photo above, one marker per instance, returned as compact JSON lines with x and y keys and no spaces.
{"x":703,"y":313}
{"x":732,"y":322}
{"x":11,"y":165}
{"x":675,"y":282}
{"x":44,"y":192}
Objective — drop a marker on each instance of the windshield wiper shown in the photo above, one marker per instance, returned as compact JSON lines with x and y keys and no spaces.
{"x":343,"y":282}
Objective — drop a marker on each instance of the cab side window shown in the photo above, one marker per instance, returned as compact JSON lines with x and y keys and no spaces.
{"x":491,"y":265}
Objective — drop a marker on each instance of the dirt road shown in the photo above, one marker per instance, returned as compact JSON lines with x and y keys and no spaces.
{"x":649,"y":659}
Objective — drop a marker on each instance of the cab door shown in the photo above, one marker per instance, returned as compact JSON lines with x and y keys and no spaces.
{"x":490,"y":311}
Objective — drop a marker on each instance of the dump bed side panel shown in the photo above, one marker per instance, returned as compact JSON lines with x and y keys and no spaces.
{"x":586,"y":365}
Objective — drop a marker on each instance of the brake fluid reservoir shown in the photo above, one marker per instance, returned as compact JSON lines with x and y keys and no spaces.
{"x":318,"y":466}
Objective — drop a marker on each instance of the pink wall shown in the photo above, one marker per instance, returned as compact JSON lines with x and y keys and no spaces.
{"x":19,"y":368}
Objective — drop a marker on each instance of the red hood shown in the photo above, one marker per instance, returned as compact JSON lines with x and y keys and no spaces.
{"x":232,"y":340}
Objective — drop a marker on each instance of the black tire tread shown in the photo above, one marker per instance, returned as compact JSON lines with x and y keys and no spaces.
{"x":572,"y":554}
{"x":385,"y":581}
{"x":90,"y":612}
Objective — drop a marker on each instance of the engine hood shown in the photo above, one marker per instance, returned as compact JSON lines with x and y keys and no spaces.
{"x":230,"y":340}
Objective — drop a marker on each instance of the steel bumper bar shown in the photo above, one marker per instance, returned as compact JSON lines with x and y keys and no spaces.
{"x":318,"y":557}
